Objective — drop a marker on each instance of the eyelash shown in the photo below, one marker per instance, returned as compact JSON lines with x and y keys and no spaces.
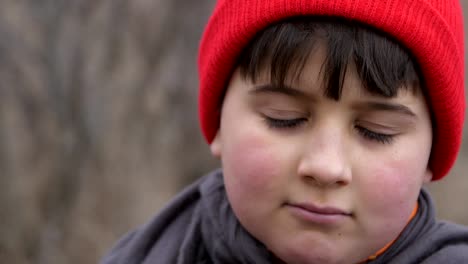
{"x":371,"y":135}
{"x":293,"y":123}
{"x":284,"y":123}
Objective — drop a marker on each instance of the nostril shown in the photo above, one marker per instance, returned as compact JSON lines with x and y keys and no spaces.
{"x":320,"y":182}
{"x":325,"y":176}
{"x":342,"y":183}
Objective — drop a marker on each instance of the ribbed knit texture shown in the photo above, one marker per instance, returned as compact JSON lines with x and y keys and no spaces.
{"x":431,"y":29}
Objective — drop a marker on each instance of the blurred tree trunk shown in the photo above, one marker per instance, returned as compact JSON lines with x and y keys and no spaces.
{"x":98,"y":124}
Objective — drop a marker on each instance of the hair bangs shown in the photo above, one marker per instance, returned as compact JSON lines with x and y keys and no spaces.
{"x":282,"y":50}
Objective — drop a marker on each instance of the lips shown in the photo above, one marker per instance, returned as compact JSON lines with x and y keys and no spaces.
{"x":323,"y":215}
{"x":320,"y":210}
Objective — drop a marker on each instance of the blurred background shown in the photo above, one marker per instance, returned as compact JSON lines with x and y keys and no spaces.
{"x":98,"y":123}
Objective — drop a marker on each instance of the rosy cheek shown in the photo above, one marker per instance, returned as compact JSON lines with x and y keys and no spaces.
{"x":252,"y":162}
{"x":392,"y":189}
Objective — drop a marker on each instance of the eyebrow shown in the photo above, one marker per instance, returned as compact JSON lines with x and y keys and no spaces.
{"x":283,"y":89}
{"x":384,"y":106}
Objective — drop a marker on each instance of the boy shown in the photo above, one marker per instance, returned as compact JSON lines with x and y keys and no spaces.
{"x":328,"y":117}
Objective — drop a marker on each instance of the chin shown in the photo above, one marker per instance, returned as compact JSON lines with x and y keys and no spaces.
{"x":310,"y":256}
{"x":307,"y":259}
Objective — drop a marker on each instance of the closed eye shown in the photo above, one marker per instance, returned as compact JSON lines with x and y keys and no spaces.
{"x":284,"y":123}
{"x":374,"y":136}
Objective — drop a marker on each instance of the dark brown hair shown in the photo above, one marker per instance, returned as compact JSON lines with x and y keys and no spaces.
{"x":383,"y":65}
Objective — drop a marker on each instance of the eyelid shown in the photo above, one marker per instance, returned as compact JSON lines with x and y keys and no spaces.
{"x":286,"y":114}
{"x":379,"y":127}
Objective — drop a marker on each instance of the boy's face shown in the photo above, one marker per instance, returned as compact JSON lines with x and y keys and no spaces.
{"x":318,"y":180}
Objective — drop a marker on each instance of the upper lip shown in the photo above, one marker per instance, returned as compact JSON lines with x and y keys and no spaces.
{"x":326,"y":210}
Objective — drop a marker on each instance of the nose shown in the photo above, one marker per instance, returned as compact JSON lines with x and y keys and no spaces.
{"x":325,"y":159}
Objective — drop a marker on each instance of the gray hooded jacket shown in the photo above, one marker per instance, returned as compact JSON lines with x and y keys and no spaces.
{"x":199,"y":227}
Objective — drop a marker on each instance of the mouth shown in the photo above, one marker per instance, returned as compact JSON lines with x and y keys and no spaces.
{"x":322,"y":215}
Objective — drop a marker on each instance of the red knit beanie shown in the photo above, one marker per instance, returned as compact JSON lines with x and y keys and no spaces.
{"x":431,"y":29}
